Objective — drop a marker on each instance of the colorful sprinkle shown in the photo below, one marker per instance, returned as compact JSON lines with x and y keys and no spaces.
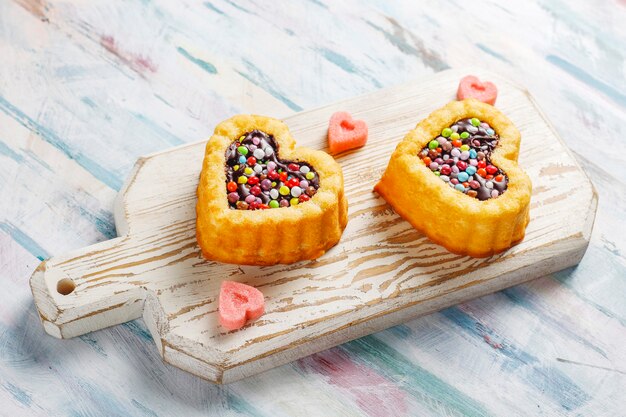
{"x":259,"y":154}
{"x":463,"y":161}
{"x":296,"y":191}
{"x":256,"y":179}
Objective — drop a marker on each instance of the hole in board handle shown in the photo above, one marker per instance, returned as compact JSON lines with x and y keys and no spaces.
{"x":65,"y":286}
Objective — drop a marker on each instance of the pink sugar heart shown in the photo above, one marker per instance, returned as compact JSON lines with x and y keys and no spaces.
{"x":345,"y":133}
{"x":239,"y":302}
{"x":471,"y":87}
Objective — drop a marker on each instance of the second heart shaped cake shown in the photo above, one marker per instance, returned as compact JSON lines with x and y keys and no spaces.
{"x":262,"y":201}
{"x":455,"y":178}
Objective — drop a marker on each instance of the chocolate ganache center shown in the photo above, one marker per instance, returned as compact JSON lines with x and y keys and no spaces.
{"x":461,"y":157}
{"x":256,"y":178}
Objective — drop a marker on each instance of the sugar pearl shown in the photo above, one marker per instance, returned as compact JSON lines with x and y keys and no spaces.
{"x":252,"y":147}
{"x":455,"y":153}
{"x":259,"y":154}
{"x":494,"y":193}
{"x":464,"y":155}
{"x":304,"y":169}
{"x":266,"y":184}
{"x":304,"y":184}
{"x":445,"y":178}
{"x":274,"y":193}
{"x":284,"y":203}
{"x":250,"y":198}
{"x":271,"y":166}
{"x":256,"y":140}
{"x":296,"y":191}
{"x":489,"y":184}
{"x":473,"y":162}
{"x":434,"y":166}
{"x":233,"y":197}
{"x":269,"y":151}
{"x":258,"y":168}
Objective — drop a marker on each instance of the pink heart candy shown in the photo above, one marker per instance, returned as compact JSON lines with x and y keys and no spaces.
{"x":238,"y":303}
{"x":345,"y":133}
{"x":471,"y":87}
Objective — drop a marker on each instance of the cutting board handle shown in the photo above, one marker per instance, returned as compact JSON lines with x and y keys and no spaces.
{"x":78,"y":292}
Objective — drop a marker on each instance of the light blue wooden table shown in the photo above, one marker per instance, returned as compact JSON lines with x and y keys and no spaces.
{"x":87,"y":87}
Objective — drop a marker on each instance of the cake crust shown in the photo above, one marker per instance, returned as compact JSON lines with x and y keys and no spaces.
{"x":462,"y":224}
{"x":272,"y":236}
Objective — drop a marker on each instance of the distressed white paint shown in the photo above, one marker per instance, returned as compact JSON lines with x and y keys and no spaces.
{"x":562,"y":336}
{"x":380,"y":274}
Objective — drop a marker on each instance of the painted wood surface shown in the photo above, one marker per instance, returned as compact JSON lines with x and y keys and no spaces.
{"x":380,"y":274}
{"x":87,"y":87}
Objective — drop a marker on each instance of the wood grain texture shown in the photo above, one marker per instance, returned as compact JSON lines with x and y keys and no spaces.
{"x":74,"y":118}
{"x":381,"y":273}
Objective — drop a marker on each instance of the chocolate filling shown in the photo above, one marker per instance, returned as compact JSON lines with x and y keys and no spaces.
{"x":461,"y":157}
{"x":257,"y":179}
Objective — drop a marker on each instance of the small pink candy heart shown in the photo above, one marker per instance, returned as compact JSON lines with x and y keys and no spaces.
{"x":471,"y":87}
{"x":345,"y":133}
{"x":239,"y":302}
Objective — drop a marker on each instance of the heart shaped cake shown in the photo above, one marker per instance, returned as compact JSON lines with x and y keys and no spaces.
{"x":262,"y":201}
{"x":455,"y":178}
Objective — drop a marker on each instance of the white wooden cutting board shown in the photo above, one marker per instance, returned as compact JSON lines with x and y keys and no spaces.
{"x":380,"y":274}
